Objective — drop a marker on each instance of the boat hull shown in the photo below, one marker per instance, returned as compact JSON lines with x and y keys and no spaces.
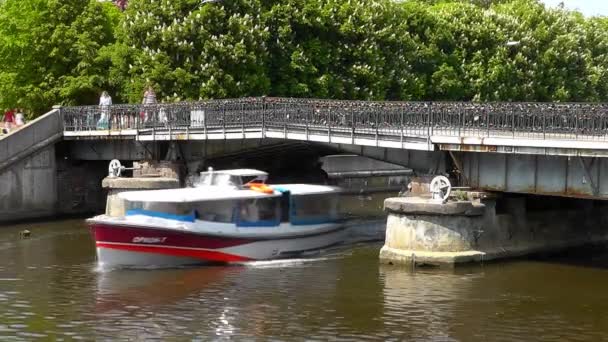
{"x":119,"y":245}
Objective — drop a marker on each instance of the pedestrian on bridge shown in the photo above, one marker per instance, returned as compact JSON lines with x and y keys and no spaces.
{"x":9,"y":120}
{"x":105,"y":101}
{"x":149,"y":96}
{"x":148,"y":101}
{"x":19,"y":117}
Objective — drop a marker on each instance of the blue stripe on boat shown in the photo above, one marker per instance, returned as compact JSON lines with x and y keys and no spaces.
{"x":184,"y":218}
{"x":310,"y":221}
{"x":263,"y":223}
{"x":279,"y":189}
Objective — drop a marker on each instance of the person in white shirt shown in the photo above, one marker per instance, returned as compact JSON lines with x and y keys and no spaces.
{"x":19,"y":118}
{"x":105,"y":101}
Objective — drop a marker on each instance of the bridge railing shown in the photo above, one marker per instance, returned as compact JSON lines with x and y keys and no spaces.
{"x":384,"y":120}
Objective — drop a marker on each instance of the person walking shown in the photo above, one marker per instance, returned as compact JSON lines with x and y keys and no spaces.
{"x":9,"y":120}
{"x":105,"y":101}
{"x":19,"y":118}
{"x":149,"y":96}
{"x":148,"y":101}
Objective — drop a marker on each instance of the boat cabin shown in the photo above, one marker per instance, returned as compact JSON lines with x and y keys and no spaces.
{"x":231,"y":203}
{"x":236,"y":178}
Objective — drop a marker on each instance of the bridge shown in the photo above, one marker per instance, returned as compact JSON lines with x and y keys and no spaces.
{"x":520,"y":128}
{"x":555,"y":149}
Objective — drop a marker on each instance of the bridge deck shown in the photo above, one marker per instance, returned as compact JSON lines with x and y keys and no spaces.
{"x":530,"y":128}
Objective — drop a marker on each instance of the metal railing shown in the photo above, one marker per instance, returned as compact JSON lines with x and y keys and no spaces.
{"x":382,"y":120}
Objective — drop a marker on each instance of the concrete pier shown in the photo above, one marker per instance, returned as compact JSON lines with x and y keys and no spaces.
{"x":147,"y":176}
{"x":426,"y":231}
{"x":422,"y":232}
{"x":115,"y":206}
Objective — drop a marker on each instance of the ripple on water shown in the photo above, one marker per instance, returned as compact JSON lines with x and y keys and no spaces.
{"x":31,"y":335}
{"x":341,"y":295}
{"x":6,"y":328}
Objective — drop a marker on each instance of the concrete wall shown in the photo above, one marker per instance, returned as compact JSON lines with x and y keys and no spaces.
{"x":353,"y":162}
{"x":79,"y":188}
{"x":44,"y":186}
{"x":420,"y":161}
{"x":36,"y":135}
{"x":108,"y":149}
{"x":28,"y":188}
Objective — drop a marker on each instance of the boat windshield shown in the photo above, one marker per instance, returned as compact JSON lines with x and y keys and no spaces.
{"x":219,"y":178}
{"x":234,"y":178}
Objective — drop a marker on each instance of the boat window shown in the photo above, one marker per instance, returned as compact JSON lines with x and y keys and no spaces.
{"x":160,"y":207}
{"x":216,"y":211}
{"x":247,"y":179}
{"x":259,"y":212}
{"x":314,"y":209}
{"x":172,"y":211}
{"x":168,"y":207}
{"x":129,"y":205}
{"x":219,"y":178}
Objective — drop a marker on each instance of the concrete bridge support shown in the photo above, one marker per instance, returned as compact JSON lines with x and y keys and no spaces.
{"x":420,"y":232}
{"x":28,"y":188}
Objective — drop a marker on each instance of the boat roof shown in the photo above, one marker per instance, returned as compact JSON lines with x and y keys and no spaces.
{"x":240,"y":172}
{"x":198,"y":194}
{"x":218,"y":193}
{"x":305,"y":189}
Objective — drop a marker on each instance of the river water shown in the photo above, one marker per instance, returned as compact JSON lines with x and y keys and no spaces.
{"x":51,"y":289}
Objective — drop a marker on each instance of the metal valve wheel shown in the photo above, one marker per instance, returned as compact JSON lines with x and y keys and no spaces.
{"x":114,"y":169}
{"x":440,"y":188}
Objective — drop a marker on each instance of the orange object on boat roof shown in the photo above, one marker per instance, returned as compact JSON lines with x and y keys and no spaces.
{"x":261,"y":187}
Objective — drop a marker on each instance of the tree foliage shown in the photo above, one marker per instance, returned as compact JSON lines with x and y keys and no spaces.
{"x":54,"y":51}
{"x":49,"y":51}
{"x":189,"y":51}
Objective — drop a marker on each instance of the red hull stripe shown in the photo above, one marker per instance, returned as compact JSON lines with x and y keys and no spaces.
{"x":123,"y":234}
{"x":201,"y":254}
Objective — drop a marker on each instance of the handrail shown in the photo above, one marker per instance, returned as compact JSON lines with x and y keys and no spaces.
{"x":379,"y":120}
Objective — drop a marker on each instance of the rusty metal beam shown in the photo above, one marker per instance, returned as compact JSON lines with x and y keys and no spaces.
{"x":587,"y":169}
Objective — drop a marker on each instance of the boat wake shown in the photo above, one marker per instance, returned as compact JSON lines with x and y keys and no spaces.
{"x":283,"y":262}
{"x":101,"y":268}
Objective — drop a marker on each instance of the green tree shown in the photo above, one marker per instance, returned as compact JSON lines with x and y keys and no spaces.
{"x":189,"y":50}
{"x":597,"y":41}
{"x":340,"y":49}
{"x":54,"y":51}
{"x":49,"y":51}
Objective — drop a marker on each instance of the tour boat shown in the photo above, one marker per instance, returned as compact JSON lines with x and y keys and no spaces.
{"x":230,"y":216}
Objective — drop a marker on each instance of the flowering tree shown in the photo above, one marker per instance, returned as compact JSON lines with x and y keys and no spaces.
{"x":339,"y":49}
{"x":191,"y":50}
{"x":66,"y":51}
{"x":122,"y":4}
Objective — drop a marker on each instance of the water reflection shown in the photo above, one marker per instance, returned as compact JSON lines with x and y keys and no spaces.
{"x":138,"y":288}
{"x":519,"y":300}
{"x":426,"y":300}
{"x":49,"y":289}
{"x":249,"y":300}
